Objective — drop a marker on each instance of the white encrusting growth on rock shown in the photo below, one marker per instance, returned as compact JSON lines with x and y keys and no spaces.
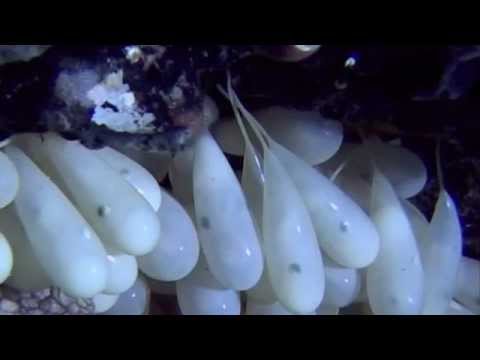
{"x":123,"y":113}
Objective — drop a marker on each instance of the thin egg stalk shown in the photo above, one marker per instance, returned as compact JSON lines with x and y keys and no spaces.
{"x":200,"y":293}
{"x":181,"y":176}
{"x":395,"y":280}
{"x":137,"y":176}
{"x":65,"y":245}
{"x":253,"y":181}
{"x":177,"y":251}
{"x":8,"y":181}
{"x":27,"y":274}
{"x":343,"y":229}
{"x":134,"y":301}
{"x":292,"y":254}
{"x":225,"y":227}
{"x":122,"y":271}
{"x":342,"y":285}
{"x":6,"y":258}
{"x":458,"y":309}
{"x":467,"y":290}
{"x":441,"y":257}
{"x":119,"y":214}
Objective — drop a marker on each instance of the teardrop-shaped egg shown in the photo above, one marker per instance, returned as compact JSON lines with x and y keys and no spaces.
{"x":467,"y":291}
{"x":306,"y":133}
{"x":134,"y":174}
{"x":441,"y":256}
{"x":6,"y":259}
{"x":176,"y":253}
{"x":8,"y":181}
{"x":104,"y":302}
{"x":181,"y":176}
{"x":122,"y":272}
{"x":134,"y":301}
{"x":199,"y":293}
{"x":342,"y":285}
{"x":119,"y":214}
{"x":403,"y":168}
{"x":157,"y":163}
{"x":395,"y":279}
{"x":65,"y":245}
{"x":225,"y":227}
{"x":418,"y":221}
{"x":292,"y":254}
{"x":259,"y":308}
{"x":343,"y":229}
{"x":27,"y":274}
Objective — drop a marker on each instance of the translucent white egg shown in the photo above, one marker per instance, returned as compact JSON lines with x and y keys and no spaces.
{"x":134,"y":174}
{"x":395,"y":280}
{"x":27,"y":274}
{"x":342,"y":285}
{"x":467,"y":290}
{"x":65,"y":245}
{"x":225,"y":227}
{"x":418,"y":221}
{"x":157,"y":163}
{"x":122,"y":272}
{"x":258,"y":308}
{"x":6,"y":258}
{"x":134,"y":301}
{"x":104,"y":302}
{"x":176,"y":253}
{"x":181,"y":176}
{"x":441,"y":256}
{"x":404,"y":169}
{"x":306,"y":133}
{"x":200,"y":293}
{"x":119,"y":214}
{"x":8,"y":181}
{"x":343,"y":229}
{"x":291,"y":249}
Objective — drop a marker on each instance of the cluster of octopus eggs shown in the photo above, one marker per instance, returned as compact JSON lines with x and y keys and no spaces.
{"x":310,"y":225}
